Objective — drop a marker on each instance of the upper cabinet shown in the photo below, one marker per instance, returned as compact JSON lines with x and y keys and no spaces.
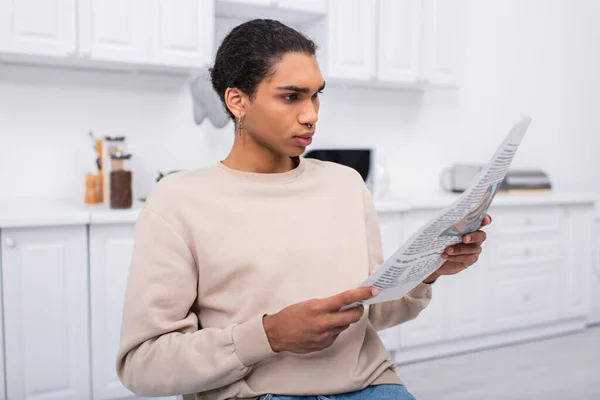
{"x":351,"y":34}
{"x":174,"y":33}
{"x":391,"y":42}
{"x":183,"y":32}
{"x":398,"y":40}
{"x":115,"y":30}
{"x":289,"y":12}
{"x":38,"y":27}
{"x":387,"y":43}
{"x":158,"y":32}
{"x":443,"y":49}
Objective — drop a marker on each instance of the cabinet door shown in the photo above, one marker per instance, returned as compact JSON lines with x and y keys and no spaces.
{"x":428,"y":327}
{"x":111,"y":247}
{"x":578,"y":266}
{"x":183,"y":32}
{"x":465,"y":313}
{"x":263,"y":3}
{"x":390,"y":226}
{"x":351,"y":39}
{"x":2,"y":366}
{"x":398,"y":40}
{"x":521,"y":297}
{"x":594,"y":315}
{"x":312,"y":6}
{"x":115,"y":30}
{"x":40,"y":27}
{"x":46,"y":313}
{"x":442,"y":41}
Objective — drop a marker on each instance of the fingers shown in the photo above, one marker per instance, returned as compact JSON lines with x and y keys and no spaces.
{"x":475,"y":237}
{"x":344,"y":318}
{"x":348,"y":297}
{"x":462,"y":249}
{"x":464,"y":259}
{"x":486,"y":220}
{"x":451,"y":268}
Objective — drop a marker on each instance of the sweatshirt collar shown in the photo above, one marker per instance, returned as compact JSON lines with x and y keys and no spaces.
{"x":273,"y":178}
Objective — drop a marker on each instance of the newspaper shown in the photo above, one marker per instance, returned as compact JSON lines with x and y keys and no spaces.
{"x":421,"y":254}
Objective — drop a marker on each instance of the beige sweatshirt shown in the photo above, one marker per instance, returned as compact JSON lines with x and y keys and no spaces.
{"x":216,"y":249}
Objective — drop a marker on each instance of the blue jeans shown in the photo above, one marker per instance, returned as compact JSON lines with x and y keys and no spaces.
{"x":378,"y":392}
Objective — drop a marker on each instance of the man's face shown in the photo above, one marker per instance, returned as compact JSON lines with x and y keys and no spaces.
{"x":286,"y":105}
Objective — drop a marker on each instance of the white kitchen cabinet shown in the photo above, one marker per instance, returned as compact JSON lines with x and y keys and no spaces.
{"x":465,"y":311}
{"x":176,"y":33}
{"x":316,"y":7}
{"x":391,"y":43}
{"x":46,"y":312}
{"x":110,"y":254}
{"x":115,"y":30}
{"x":529,"y":282}
{"x":290,"y":12}
{"x":390,"y":226}
{"x":38,"y":27}
{"x":399,"y":39}
{"x":350,"y":40}
{"x":578,"y":269}
{"x":182,"y":32}
{"x":442,"y":41}
{"x":2,"y":363}
{"x":526,"y":295}
{"x":111,"y":247}
{"x":429,"y":325}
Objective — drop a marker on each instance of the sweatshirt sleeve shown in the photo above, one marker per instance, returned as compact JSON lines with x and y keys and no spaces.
{"x":163,"y":350}
{"x":389,"y":313}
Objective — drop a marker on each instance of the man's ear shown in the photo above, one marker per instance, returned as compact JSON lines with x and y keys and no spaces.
{"x":236,"y":101}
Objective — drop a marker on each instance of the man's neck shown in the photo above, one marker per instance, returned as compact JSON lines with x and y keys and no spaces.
{"x":253,"y":158}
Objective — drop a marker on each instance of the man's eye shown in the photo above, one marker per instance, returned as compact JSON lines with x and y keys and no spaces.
{"x":291,"y":97}
{"x":317,"y":94}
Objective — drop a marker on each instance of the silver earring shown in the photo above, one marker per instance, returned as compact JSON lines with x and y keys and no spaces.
{"x":240,"y":125}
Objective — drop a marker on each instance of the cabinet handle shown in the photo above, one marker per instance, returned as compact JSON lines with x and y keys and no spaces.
{"x":10,"y":242}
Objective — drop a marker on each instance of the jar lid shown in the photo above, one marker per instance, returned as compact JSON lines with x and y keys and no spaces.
{"x":120,"y":156}
{"x":114,"y":138}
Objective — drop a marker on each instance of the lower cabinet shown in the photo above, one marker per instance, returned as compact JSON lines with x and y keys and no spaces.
{"x":111,"y":247}
{"x":2,"y":366}
{"x":110,"y":253}
{"x":46,"y":313}
{"x":529,"y":282}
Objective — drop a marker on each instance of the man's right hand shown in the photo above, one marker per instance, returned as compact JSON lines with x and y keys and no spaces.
{"x":314,"y":325}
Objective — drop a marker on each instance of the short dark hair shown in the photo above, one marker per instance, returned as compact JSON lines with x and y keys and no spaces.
{"x":248,"y":53}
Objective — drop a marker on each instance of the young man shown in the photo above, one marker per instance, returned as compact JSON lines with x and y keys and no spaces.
{"x":240,"y":269}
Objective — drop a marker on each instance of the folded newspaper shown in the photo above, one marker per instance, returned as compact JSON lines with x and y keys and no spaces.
{"x":421,"y":254}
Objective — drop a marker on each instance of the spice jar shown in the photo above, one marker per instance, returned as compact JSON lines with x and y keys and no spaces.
{"x":111,"y":145}
{"x":120,"y":182}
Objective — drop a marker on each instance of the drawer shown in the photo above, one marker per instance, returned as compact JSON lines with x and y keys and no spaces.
{"x":523,"y":249}
{"x":522,"y":299}
{"x":525,"y":219}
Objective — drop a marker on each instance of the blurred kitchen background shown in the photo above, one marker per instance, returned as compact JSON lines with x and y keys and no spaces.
{"x":426,"y":89}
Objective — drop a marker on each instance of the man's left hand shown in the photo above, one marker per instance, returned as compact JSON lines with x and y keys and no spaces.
{"x":461,"y":256}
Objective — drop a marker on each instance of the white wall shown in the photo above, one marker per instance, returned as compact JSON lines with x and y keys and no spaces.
{"x":520,"y":58}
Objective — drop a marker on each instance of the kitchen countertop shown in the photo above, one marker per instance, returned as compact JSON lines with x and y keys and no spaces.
{"x":29,"y":214}
{"x":442,"y":199}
